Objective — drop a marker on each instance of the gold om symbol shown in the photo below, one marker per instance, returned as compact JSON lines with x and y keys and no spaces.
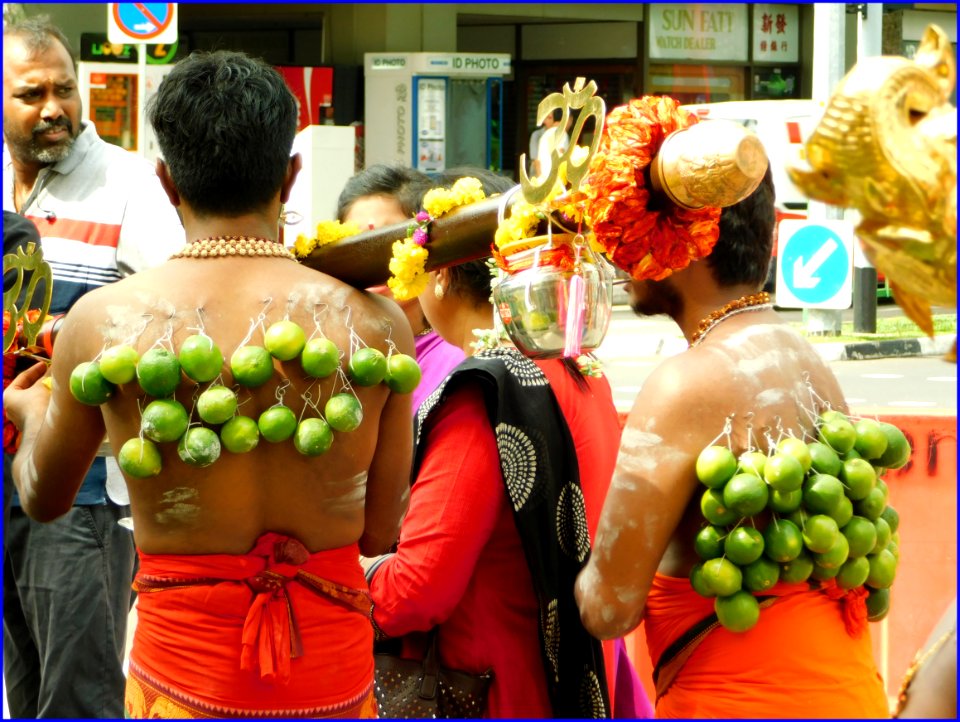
{"x":26,"y":262}
{"x":580,"y":98}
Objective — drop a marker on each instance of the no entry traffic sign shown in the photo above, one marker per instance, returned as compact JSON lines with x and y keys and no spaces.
{"x":814,"y":264}
{"x":142,"y":22}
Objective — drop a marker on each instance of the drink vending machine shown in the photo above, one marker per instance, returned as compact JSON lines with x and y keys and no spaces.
{"x":434,"y":111}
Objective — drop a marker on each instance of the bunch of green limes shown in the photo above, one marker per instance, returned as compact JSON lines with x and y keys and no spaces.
{"x":159,"y":372}
{"x":828,"y":517}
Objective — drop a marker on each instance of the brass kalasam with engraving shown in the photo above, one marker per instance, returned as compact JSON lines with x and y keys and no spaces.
{"x":887,"y":146}
{"x":33,"y":275}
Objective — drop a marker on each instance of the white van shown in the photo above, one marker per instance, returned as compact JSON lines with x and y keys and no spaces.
{"x":782,"y":126}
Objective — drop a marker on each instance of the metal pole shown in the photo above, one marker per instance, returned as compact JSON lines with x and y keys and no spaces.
{"x":869,"y":41}
{"x":829,"y":67}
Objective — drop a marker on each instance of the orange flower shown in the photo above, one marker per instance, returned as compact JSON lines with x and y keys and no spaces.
{"x":645,"y":235}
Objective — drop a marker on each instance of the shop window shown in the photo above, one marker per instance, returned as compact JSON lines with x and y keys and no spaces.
{"x":697,"y":83}
{"x":776,"y":83}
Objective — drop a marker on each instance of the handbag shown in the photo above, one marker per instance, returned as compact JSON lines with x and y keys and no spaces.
{"x":423,"y":689}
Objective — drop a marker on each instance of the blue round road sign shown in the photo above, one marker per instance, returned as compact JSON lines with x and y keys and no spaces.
{"x":143,"y":21}
{"x":815,"y":264}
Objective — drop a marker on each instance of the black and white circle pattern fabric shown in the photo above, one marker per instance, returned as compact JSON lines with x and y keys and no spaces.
{"x":518,"y":462}
{"x":426,"y":406}
{"x":551,"y":639}
{"x":519,"y":366}
{"x":591,"y":697}
{"x":572,"y":523}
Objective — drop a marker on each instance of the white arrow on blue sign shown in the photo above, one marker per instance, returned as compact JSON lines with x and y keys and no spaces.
{"x":814,"y":264}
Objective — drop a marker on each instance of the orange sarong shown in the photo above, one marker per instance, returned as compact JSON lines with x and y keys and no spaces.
{"x":803,"y":659}
{"x":276,"y":632}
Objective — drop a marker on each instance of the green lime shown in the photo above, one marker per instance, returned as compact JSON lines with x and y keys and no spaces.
{"x":878,"y":604}
{"x":796,"y":448}
{"x":708,"y":543}
{"x":835,"y":556}
{"x":883,"y":569}
{"x":158,"y":372}
{"x":367,"y":366}
{"x":251,"y":366}
{"x":716,"y":465}
{"x":782,"y":540}
{"x":853,"y":573}
{"x":698,"y":583}
{"x":713,"y":508}
{"x":403,"y":373}
{"x":822,"y":493}
{"x":898,"y":449}
{"x":798,"y":517}
{"x":858,"y":478}
{"x":784,"y":472}
{"x":890,"y":515}
{"x":746,"y":494}
{"x":118,"y":364}
{"x":284,"y":340}
{"x":722,"y":576}
{"x":313,"y":437}
{"x":797,"y":570}
{"x":784,"y":502}
{"x":752,"y":462}
{"x":823,"y":459}
{"x":343,"y":412}
{"x":240,"y":434}
{"x":139,"y":458}
{"x":164,"y":420}
{"x":822,"y":574}
{"x":200,"y":358}
{"x":761,"y":575}
{"x":843,"y":513}
{"x":832,"y":415}
{"x":743,"y":545}
{"x":819,"y":533}
{"x":838,"y":434}
{"x":738,"y":612}
{"x":199,"y":446}
{"x":320,"y":357}
{"x":861,"y":536}
{"x":871,"y":442}
{"x":883,"y":533}
{"x":277,"y":423}
{"x":872,"y":505}
{"x":88,"y":385}
{"x":217,"y":404}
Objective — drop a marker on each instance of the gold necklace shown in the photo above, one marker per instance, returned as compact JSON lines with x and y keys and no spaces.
{"x":234,"y":246}
{"x":752,"y":302}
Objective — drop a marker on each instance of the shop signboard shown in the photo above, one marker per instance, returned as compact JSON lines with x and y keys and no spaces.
{"x":776,"y":33}
{"x":697,"y":32}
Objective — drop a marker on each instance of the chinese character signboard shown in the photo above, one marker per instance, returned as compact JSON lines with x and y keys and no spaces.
{"x":698,"y":32}
{"x":776,"y":33}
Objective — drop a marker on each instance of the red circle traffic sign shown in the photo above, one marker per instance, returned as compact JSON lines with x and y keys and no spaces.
{"x":141,"y":12}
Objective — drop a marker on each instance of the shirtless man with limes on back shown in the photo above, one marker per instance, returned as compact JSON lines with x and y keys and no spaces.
{"x":263,"y":466}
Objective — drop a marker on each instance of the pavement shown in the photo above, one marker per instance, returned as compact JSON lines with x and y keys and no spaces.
{"x":661,"y":337}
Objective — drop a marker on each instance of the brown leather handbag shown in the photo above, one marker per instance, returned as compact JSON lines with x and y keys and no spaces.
{"x":418,"y":689}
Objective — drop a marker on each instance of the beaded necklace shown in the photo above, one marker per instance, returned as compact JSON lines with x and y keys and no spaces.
{"x":234,"y":246}
{"x":753,"y":302}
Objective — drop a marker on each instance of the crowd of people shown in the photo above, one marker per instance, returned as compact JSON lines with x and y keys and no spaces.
{"x":498,"y":508}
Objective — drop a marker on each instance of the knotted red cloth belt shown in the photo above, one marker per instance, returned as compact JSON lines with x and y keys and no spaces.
{"x":270,"y":634}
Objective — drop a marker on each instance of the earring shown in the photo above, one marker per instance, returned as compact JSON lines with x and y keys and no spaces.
{"x":438,"y":291}
{"x":289,"y":218}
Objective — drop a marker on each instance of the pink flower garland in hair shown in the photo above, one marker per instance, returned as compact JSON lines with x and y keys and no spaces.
{"x":648,"y":238}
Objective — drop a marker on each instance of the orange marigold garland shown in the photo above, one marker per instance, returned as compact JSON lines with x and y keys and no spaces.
{"x":646,"y":236}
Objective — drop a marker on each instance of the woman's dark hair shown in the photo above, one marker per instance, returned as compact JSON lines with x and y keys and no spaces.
{"x":225,"y":123}
{"x":472,"y":279}
{"x":742,"y":253}
{"x":406,"y":185}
